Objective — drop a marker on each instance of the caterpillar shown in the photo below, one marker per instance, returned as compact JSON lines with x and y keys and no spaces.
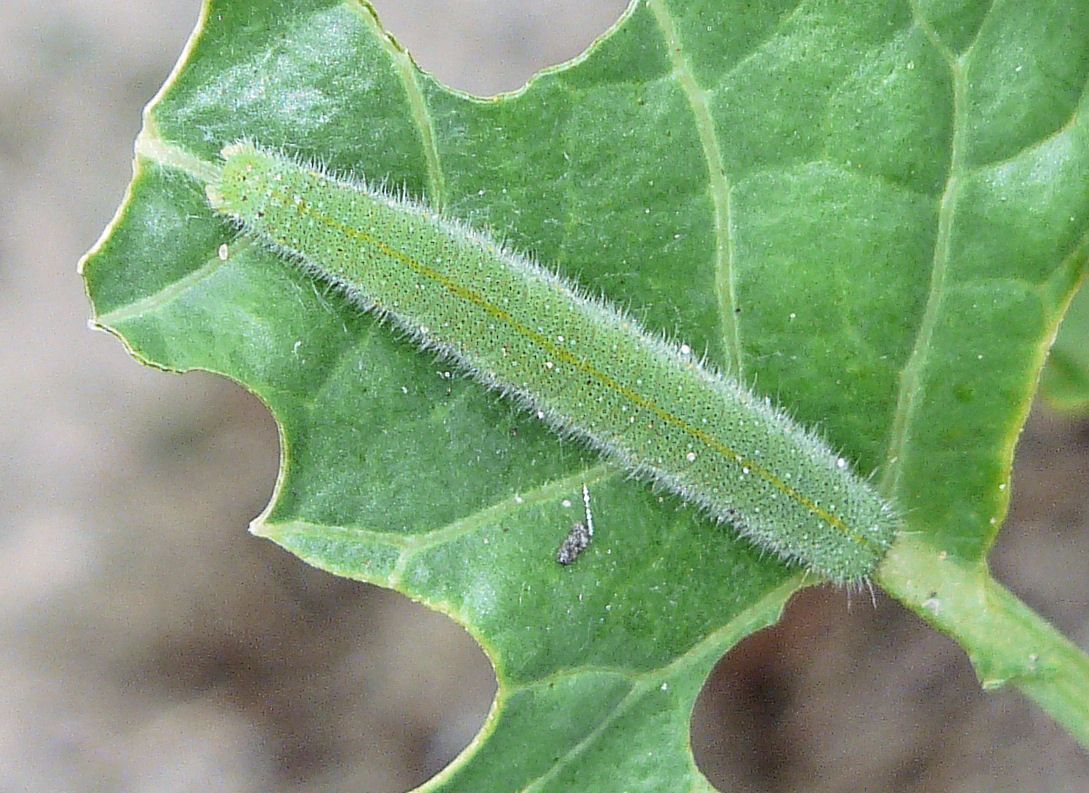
{"x":583,"y":366}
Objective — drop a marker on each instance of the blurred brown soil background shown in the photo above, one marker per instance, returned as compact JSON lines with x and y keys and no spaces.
{"x":149,"y":643}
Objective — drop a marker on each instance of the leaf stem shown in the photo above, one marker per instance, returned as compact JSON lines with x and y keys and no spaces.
{"x":1006,"y":641}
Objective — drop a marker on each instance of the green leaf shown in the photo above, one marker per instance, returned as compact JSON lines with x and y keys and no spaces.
{"x":1065,"y":381}
{"x":876,"y":212}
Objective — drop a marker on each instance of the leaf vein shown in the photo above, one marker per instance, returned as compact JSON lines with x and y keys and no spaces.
{"x":416,"y":544}
{"x":911,"y":380}
{"x":1035,"y":145}
{"x":696,"y":97}
{"x":421,"y":115}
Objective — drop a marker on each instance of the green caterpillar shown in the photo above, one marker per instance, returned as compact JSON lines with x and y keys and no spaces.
{"x":582,"y":365}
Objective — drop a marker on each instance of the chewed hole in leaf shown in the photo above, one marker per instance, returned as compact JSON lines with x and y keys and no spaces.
{"x":490,"y":46}
{"x":408,"y":695}
{"x":425,"y":687}
{"x":798,"y":695}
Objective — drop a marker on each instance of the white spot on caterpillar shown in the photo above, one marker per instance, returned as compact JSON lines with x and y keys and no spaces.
{"x":224,"y":252}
